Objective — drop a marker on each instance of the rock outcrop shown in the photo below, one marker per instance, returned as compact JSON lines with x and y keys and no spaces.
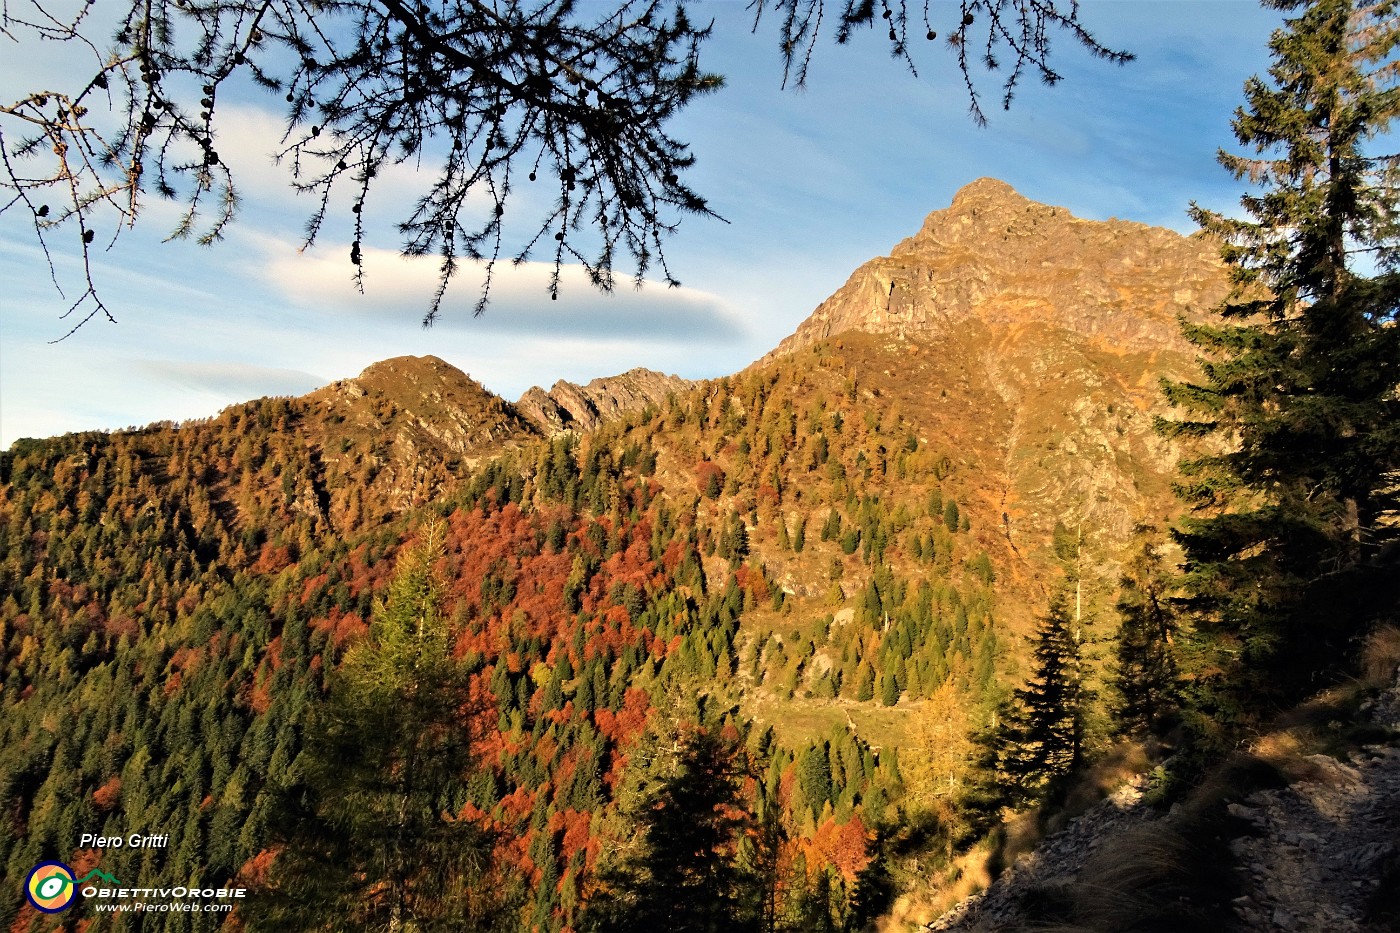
{"x":1002,"y":259}
{"x":570,"y":407}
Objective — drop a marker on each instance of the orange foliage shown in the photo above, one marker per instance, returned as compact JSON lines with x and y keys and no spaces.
{"x":675,"y":553}
{"x":106,"y":796}
{"x":274,"y":557}
{"x":627,"y":722}
{"x":616,"y":772}
{"x":345,"y":627}
{"x":84,"y":861}
{"x":517,"y":804}
{"x":254,"y":872}
{"x":576,"y":833}
{"x":561,"y":715}
{"x":786,"y":784}
{"x":261,"y":697}
{"x":24,"y":920}
{"x":545,"y":748}
{"x":122,"y":625}
{"x":708,"y":474}
{"x":186,"y":659}
{"x":844,"y":846}
{"x":633,"y":715}
{"x":360,"y":577}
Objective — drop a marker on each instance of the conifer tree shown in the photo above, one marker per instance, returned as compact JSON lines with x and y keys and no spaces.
{"x":686,"y":876}
{"x":1041,"y":737}
{"x":814,"y":776}
{"x":1299,"y":397}
{"x":865,"y":684}
{"x":1147,"y":680}
{"x":377,"y":845}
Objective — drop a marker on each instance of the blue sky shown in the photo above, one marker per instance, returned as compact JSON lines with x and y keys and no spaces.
{"x":811,"y":182}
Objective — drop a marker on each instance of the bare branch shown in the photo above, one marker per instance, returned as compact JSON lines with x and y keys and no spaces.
{"x":485,"y":99}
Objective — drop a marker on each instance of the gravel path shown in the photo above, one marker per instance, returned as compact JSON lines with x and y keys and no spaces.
{"x":1323,"y":844}
{"x":1058,"y":858}
{"x":1313,"y":857}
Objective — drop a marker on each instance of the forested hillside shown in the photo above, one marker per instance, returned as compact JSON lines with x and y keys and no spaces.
{"x":176,"y":601}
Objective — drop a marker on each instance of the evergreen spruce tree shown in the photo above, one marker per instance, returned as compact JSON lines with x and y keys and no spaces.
{"x":1298,"y":404}
{"x":686,"y":875}
{"x":814,"y":777}
{"x":1041,"y":736}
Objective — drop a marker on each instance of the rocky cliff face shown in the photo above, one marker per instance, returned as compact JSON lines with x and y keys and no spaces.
{"x":581,"y":408}
{"x":1000,"y":259}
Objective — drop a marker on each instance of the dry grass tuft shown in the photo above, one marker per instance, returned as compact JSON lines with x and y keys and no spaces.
{"x":1146,"y":879}
{"x":1119,"y":764}
{"x":968,"y":874}
{"x":1283,"y":747}
{"x":1020,"y":836}
{"x":1157,"y":878}
{"x":1380,"y":658}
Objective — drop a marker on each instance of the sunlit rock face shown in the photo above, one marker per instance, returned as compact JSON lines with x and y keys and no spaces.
{"x":996,"y":257}
{"x":1033,"y":343}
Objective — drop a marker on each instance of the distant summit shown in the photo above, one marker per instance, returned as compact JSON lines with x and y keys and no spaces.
{"x":1001,"y":258}
{"x":1032,"y":343}
{"x":423,"y":403}
{"x":403,"y":430}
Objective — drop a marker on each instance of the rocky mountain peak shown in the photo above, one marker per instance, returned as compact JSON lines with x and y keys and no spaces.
{"x":989,"y":193}
{"x":996,"y":257}
{"x":418,"y":408}
{"x":419,"y":371}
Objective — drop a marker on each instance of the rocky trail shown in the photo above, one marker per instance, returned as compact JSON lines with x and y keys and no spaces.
{"x":1321,"y":855}
{"x":1319,"y":859}
{"x":1059,"y":859}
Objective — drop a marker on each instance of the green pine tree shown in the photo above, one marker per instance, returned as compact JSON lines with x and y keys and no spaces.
{"x":814,"y":777}
{"x":685,"y":875}
{"x":1299,"y":404}
{"x":951,"y":516}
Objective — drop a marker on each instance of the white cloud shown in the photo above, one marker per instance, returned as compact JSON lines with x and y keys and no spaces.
{"x":249,"y":140}
{"x":399,"y":289}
